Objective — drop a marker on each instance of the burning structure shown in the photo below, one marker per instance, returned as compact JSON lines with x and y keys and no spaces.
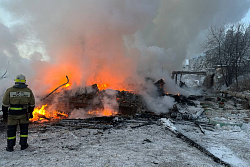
{"x":90,"y":101}
{"x":94,"y":101}
{"x":111,"y":44}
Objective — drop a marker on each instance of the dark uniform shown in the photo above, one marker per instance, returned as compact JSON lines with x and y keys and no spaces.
{"x":18,"y":105}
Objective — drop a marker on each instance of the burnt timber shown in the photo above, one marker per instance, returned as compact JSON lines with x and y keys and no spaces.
{"x":128,"y":103}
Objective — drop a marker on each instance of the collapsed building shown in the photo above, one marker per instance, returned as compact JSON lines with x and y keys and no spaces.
{"x":92,"y":101}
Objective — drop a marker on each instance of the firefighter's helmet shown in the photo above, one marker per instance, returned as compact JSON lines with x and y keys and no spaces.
{"x":20,"y":79}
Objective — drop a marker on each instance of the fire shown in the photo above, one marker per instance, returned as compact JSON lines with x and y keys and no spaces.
{"x":108,"y":86}
{"x":102,"y":112}
{"x":67,"y":85}
{"x":102,"y":86}
{"x":43,"y":114}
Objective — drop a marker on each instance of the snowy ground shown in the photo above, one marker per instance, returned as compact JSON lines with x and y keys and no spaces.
{"x":228,"y":133}
{"x":149,"y":145}
{"x":227,"y":137}
{"x":231,"y":144}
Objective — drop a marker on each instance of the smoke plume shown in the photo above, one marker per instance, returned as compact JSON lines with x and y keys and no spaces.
{"x":107,"y":42}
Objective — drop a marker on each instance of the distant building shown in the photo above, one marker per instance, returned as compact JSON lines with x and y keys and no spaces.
{"x":185,"y":65}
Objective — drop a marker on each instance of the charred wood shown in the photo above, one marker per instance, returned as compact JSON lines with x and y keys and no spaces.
{"x":182,"y":99}
{"x":144,"y":124}
{"x":56,"y":88}
{"x":197,"y":124}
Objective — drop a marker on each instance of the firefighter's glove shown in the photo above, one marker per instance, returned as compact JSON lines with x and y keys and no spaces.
{"x":5,"y":117}
{"x":5,"y":113}
{"x":31,"y":109}
{"x":31,"y":114}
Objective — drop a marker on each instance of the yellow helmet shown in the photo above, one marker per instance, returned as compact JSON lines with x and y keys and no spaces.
{"x":20,"y":79}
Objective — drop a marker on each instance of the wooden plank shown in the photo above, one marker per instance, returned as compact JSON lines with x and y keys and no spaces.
{"x":190,"y":72}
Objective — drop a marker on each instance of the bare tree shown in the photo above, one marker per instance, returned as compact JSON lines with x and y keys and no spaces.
{"x":214,"y":44}
{"x":228,"y":47}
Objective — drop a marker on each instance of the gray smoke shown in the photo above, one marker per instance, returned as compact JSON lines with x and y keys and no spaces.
{"x":180,"y":22}
{"x":116,"y":41}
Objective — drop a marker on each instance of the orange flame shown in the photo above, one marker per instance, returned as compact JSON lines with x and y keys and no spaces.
{"x":43,"y":115}
{"x":67,"y":85}
{"x":102,"y":112}
{"x":102,"y":86}
{"x":108,"y":86}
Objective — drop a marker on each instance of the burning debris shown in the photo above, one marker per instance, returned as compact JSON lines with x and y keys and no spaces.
{"x":42,"y":114}
{"x":66,"y":84}
{"x":107,"y":108}
{"x":96,"y":101}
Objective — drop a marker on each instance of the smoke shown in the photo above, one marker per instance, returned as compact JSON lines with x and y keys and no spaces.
{"x":109,"y":100}
{"x":84,"y":39}
{"x":78,"y":114}
{"x":106,"y":42}
{"x":180,"y":22}
{"x":159,"y":104}
{"x":104,"y":104}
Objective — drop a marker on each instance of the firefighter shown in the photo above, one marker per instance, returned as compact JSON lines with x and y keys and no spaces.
{"x":18,"y":105}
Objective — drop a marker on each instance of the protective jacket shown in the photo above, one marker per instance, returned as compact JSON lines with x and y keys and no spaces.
{"x":19,"y":99}
{"x":18,"y":102}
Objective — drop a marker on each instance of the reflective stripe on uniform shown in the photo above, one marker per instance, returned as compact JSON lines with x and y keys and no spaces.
{"x":15,"y":108}
{"x":10,"y":138}
{"x":23,"y":135}
{"x":20,"y":80}
{"x":19,"y":94}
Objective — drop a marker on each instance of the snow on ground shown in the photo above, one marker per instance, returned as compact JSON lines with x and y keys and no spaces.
{"x":227,"y":137}
{"x":231,"y":145}
{"x":151,"y":145}
{"x":227,"y":130}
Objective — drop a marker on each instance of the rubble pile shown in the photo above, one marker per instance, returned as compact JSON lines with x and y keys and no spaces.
{"x":94,"y":102}
{"x":93,"y":99}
